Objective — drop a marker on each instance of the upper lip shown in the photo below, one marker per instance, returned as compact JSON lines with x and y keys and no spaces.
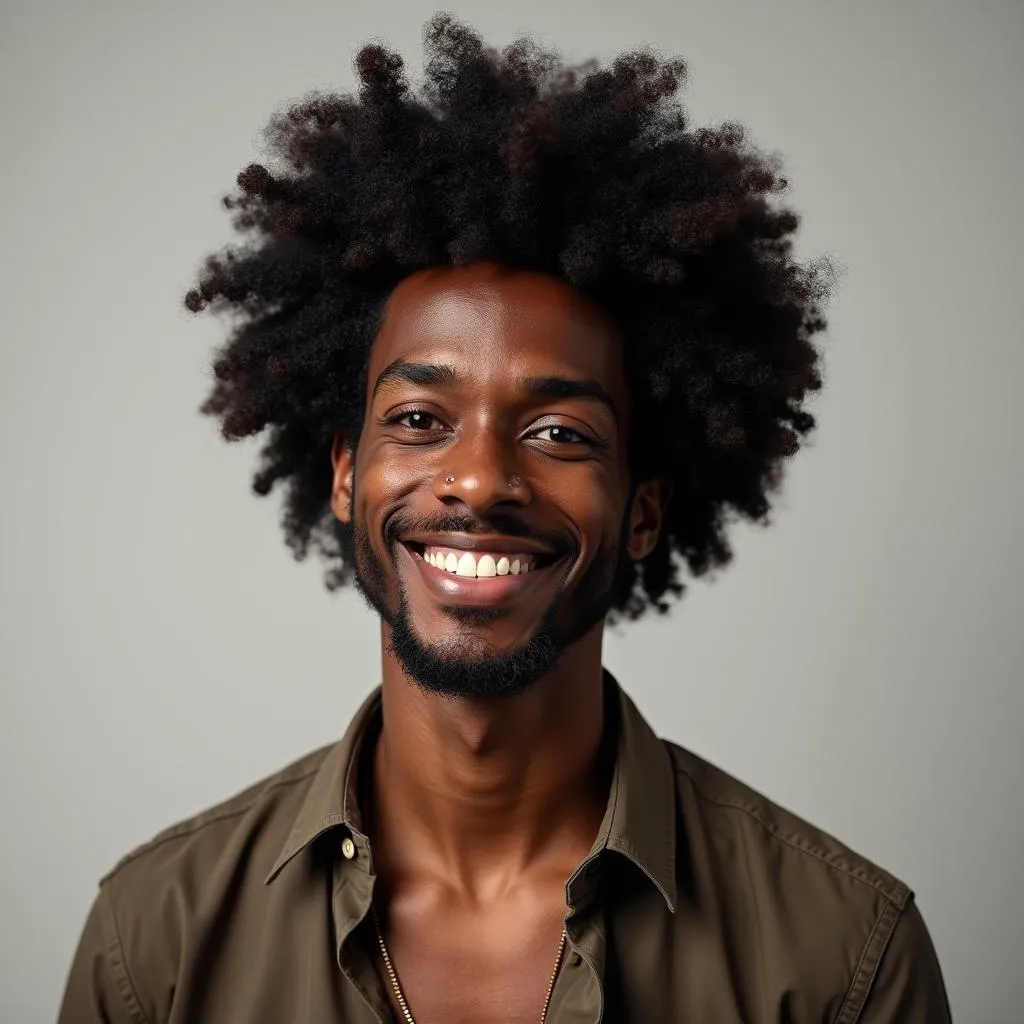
{"x":479,"y":542}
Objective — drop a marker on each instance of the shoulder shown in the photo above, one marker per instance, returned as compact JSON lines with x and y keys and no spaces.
{"x":787,"y":894}
{"x":769,"y":830}
{"x":260,"y":815}
{"x":161,"y":900}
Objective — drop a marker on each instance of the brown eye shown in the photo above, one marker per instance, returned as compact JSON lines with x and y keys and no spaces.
{"x":560,"y":435}
{"x":417,"y":420}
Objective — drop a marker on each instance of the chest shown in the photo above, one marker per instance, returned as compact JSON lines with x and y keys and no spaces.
{"x":469,"y":966}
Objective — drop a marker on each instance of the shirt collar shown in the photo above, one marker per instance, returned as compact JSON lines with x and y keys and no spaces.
{"x":639,"y":821}
{"x":332,"y":799}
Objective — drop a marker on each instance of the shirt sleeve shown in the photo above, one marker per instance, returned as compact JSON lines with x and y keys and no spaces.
{"x":99,"y":989}
{"x":908,"y":988}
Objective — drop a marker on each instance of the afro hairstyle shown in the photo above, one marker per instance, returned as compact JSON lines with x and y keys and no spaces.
{"x":591,"y":172}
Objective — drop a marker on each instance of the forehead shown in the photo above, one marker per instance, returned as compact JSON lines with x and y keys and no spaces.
{"x":488,"y":320}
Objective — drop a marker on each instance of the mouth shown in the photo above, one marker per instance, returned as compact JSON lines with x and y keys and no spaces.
{"x":479,"y":571}
{"x":480,"y":563}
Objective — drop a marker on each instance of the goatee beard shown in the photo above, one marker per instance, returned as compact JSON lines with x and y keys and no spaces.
{"x":465,"y":665}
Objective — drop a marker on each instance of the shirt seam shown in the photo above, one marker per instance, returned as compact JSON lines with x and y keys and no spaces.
{"x":760,"y":930}
{"x":119,"y":966}
{"x":867,"y":967}
{"x":187,"y":829}
{"x":896,"y":893}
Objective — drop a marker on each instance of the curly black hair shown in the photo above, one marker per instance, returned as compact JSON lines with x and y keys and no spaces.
{"x":589,"y":172}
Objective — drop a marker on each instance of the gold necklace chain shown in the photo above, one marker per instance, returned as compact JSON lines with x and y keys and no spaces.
{"x":400,"y":996}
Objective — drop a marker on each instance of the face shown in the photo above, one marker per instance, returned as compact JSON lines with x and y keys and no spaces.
{"x":490,"y":497}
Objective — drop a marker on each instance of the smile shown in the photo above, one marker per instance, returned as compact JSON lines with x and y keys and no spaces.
{"x":477,"y":563}
{"x":477,"y":571}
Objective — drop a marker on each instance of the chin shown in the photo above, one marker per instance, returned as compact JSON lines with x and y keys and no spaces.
{"x":469,"y":663}
{"x":474,"y":616}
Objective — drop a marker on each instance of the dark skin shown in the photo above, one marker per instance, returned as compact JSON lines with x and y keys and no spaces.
{"x":482,"y":809}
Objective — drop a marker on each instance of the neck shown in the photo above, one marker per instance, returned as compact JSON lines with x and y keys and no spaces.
{"x":482,"y":793}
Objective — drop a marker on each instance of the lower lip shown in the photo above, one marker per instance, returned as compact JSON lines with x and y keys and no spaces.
{"x":476,"y":591}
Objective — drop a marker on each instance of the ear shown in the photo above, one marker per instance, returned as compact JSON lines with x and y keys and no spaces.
{"x":650,"y":499}
{"x":343,"y":461}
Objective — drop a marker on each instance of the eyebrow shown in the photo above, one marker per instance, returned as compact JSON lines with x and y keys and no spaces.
{"x":442,"y":375}
{"x":569,"y":387}
{"x":438,"y":375}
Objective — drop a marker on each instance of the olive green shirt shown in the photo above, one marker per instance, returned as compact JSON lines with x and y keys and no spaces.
{"x":700,"y":901}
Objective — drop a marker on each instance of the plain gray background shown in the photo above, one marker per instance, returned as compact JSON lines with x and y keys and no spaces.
{"x":861,"y":660}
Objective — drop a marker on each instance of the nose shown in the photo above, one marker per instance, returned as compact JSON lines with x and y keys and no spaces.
{"x":481,"y":470}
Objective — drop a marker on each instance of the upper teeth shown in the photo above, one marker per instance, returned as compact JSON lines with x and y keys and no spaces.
{"x":465,"y":563}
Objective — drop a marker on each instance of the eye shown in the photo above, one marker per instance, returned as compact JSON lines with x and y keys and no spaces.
{"x":559,"y":435}
{"x":416,"y":419}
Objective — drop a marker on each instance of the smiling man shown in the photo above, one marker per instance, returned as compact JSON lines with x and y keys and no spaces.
{"x":521,"y":342}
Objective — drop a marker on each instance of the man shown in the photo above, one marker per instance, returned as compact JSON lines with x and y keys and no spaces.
{"x":521,"y":341}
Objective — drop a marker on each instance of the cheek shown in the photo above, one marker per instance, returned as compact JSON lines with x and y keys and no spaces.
{"x":392,"y":473}
{"x":381,"y":485}
{"x":594,"y":506}
{"x":367,"y":496}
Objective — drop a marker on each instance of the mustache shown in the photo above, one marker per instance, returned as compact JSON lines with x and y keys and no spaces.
{"x":504,"y":523}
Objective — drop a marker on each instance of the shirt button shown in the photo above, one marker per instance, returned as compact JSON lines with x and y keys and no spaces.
{"x":348,"y":848}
